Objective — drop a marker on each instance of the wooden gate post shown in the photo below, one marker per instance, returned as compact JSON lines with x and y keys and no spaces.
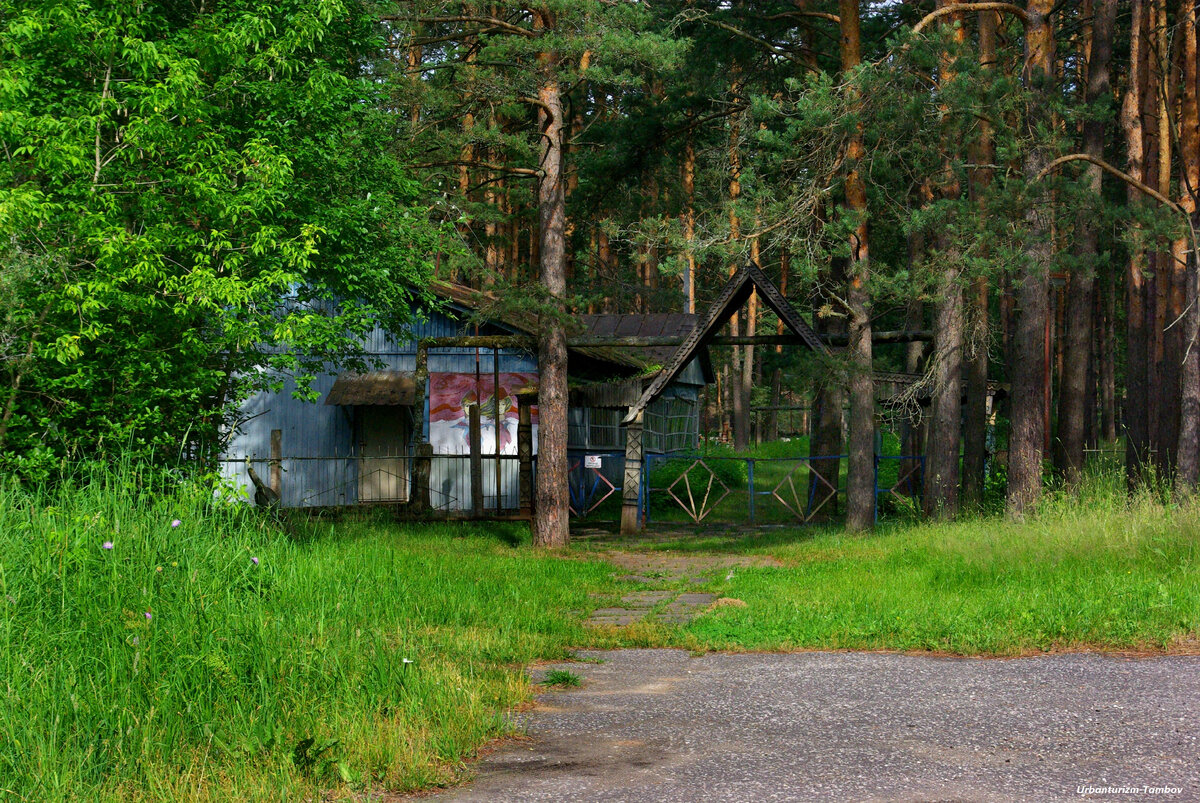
{"x":632,"y":484}
{"x":422,"y":468}
{"x":525,"y":402}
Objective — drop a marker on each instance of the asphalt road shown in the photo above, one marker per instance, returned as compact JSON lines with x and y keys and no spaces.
{"x":659,"y":725}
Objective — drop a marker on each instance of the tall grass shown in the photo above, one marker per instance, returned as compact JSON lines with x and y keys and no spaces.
{"x":1092,"y":569}
{"x":218,"y":658}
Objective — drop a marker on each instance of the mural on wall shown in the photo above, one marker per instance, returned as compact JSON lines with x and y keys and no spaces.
{"x":449,"y":396}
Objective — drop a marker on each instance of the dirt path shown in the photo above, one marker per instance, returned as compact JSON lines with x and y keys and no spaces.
{"x":658,"y":725}
{"x":666,"y":576}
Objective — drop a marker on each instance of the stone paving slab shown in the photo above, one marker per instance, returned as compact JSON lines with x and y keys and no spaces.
{"x":694,"y":599}
{"x":646,"y":599}
{"x":637,"y":606}
{"x":659,"y":726}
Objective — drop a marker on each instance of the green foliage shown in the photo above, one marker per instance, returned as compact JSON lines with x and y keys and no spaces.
{"x":202,"y":204}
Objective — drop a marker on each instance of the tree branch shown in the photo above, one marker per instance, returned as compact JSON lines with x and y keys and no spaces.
{"x":478,"y":20}
{"x":1010,"y":8}
{"x":834,"y":18}
{"x":520,"y":171}
{"x":104,"y":95}
{"x":1106,"y":167}
{"x":705,"y":18}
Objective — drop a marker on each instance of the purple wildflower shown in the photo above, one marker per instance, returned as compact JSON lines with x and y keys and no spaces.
{"x":148,"y":616}
{"x":106,"y":545}
{"x":254,"y":561}
{"x":176,"y":523}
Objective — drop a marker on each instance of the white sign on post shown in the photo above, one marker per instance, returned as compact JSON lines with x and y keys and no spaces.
{"x":591,"y":461}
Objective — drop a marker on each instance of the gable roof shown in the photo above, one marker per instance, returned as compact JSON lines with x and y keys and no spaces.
{"x":659,"y":324}
{"x":638,"y":358}
{"x":748,"y":279}
{"x":469,"y":299}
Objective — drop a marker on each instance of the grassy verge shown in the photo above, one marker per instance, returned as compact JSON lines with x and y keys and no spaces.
{"x":220,"y":659}
{"x":1090,"y":574}
{"x":224,"y":658}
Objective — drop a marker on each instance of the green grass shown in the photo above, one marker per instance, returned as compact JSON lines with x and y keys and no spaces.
{"x":1085,"y":573}
{"x":366,"y":655}
{"x":360,"y":653}
{"x":563,"y":678}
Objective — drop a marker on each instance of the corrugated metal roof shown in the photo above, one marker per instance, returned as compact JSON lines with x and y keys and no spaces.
{"x":374,"y":388}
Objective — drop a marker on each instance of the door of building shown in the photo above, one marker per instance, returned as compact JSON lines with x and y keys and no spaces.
{"x":382,"y":448}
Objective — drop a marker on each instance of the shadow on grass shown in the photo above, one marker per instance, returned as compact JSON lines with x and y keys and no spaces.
{"x":356,"y":524}
{"x":720,"y":539}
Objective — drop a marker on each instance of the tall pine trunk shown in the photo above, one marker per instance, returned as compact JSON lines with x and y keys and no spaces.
{"x":1137,"y":430}
{"x":1027,"y":431}
{"x":550,"y":522}
{"x":689,"y":224}
{"x":738,"y":389}
{"x":975,"y":417}
{"x":1188,"y":456}
{"x":1108,"y":362}
{"x":945,"y":434}
{"x":860,"y":479}
{"x":1072,"y":402}
{"x":1168,"y":276}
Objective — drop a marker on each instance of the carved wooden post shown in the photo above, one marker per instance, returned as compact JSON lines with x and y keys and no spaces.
{"x":525,"y":402}
{"x":277,"y":461}
{"x":422,"y":467}
{"x":423,"y":454}
{"x":476,"y":440}
{"x":631,"y":487}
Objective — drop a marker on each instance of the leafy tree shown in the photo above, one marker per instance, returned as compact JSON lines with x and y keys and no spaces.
{"x":204,"y":194}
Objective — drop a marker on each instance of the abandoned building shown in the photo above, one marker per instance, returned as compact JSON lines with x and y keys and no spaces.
{"x":356,"y":445}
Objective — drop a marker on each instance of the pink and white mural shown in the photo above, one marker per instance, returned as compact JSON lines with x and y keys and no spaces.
{"x":449,"y":395}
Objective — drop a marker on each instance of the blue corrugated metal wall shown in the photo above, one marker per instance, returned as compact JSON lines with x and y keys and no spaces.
{"x":317,"y":430}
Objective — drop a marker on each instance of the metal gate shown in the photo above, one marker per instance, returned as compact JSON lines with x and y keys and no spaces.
{"x":741,"y":490}
{"x":758,"y":491}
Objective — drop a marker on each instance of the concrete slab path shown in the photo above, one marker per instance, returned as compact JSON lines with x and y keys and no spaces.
{"x":660,"y":725}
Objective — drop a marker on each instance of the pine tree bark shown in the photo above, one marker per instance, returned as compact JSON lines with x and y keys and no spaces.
{"x":826,"y":422}
{"x":550,"y":522}
{"x":1137,"y":431}
{"x":1168,"y":276}
{"x":1188,"y":454}
{"x":945,"y":434}
{"x":975,"y":417}
{"x":748,"y":354}
{"x":689,"y":224}
{"x":738,"y":390}
{"x":860,"y":475}
{"x":1027,"y":431}
{"x":1072,"y":407}
{"x":1108,"y":363}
